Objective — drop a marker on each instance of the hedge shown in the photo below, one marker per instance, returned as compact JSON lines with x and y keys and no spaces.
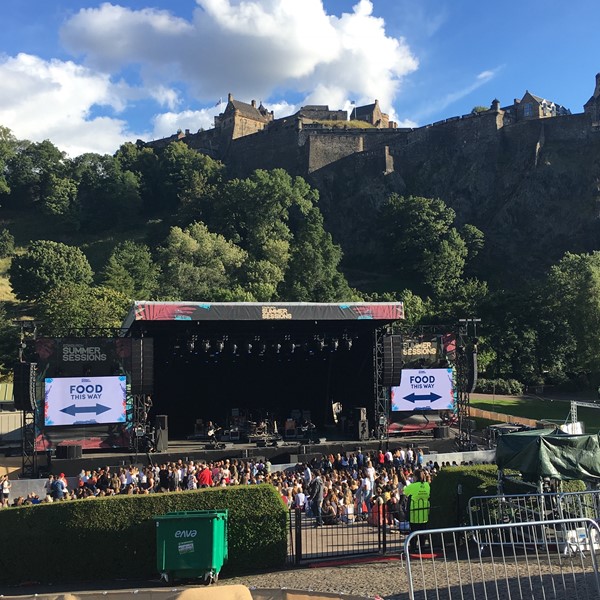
{"x":114,"y":537}
{"x":449,"y":509}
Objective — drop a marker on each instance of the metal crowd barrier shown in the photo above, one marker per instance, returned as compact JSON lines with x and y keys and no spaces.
{"x":444,"y":564}
{"x":494,"y":510}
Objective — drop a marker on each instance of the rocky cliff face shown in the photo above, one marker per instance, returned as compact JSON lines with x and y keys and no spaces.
{"x":533,"y":188}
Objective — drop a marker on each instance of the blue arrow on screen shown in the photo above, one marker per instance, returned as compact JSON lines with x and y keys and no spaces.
{"x":431,"y":397}
{"x":73,"y":409}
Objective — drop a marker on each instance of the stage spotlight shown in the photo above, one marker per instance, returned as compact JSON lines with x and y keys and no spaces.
{"x":219,"y":345}
{"x":289,"y":347}
{"x":191,"y":345}
{"x":205,"y":345}
{"x":261,"y":348}
{"x":333,"y":345}
{"x":248,"y":347}
{"x":277,"y":348}
{"x":318,"y":344}
{"x":347,"y":344}
{"x":233,"y":347}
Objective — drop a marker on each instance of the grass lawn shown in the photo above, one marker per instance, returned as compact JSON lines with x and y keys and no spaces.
{"x":556,"y":410}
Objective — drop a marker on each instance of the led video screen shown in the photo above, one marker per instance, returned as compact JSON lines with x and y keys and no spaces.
{"x":85,"y":400}
{"x":424,"y":389}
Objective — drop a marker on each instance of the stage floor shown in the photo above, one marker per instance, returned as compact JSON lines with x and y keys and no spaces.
{"x":284,"y":453}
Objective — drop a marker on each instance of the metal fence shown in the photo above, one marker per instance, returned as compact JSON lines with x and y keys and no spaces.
{"x":374,"y":533}
{"x":494,"y":510}
{"x":444,"y":564}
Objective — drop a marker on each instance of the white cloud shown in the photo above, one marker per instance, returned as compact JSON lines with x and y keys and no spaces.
{"x":252,"y":48}
{"x":53,"y":99}
{"x":261,"y":49}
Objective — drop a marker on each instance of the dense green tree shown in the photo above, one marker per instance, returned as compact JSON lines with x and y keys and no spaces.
{"x":199,"y":265}
{"x":107,"y":195}
{"x":9,"y":344}
{"x":419,"y":241}
{"x":29,"y":171}
{"x":60,"y":201}
{"x":46,"y":265}
{"x":260,"y":214}
{"x":187,"y":178}
{"x":572,"y":294}
{"x":131,"y":271}
{"x":7,"y":243}
{"x":8,"y":144}
{"x":144,"y":162}
{"x":65,"y":309}
{"x":313,"y":274}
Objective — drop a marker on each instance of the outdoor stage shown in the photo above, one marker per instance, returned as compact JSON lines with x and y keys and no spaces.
{"x":285,"y":453}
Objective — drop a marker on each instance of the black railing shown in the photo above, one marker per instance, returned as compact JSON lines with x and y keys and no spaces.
{"x":371,"y":533}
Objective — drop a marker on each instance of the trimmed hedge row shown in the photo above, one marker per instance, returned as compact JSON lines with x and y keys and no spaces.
{"x":114,"y":537}
{"x":449,"y":509}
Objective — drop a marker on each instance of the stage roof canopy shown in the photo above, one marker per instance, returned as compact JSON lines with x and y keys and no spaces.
{"x":267,"y":311}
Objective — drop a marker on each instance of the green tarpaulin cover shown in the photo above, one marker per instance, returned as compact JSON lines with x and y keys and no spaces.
{"x":550,"y":453}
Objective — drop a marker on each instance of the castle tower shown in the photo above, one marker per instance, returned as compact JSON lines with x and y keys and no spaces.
{"x":592,"y":106}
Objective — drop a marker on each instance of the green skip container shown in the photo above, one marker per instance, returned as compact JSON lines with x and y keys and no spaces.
{"x":191,"y":544}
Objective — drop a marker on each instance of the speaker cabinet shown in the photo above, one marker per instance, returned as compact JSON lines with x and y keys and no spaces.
{"x":22,"y":392}
{"x":472,"y":371}
{"x":69,"y":451}
{"x":362,"y":433}
{"x":360,"y":413}
{"x":142,"y":366}
{"x":162,"y":422}
{"x":162,"y":440}
{"x":392,"y":360}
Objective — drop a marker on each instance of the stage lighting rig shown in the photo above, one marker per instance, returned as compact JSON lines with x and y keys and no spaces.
{"x":205,"y":346}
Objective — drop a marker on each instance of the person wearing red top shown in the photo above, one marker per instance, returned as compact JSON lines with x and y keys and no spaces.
{"x":381,"y":458}
{"x":205,"y":477}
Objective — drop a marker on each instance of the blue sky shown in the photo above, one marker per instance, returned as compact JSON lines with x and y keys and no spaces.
{"x":91,"y":75}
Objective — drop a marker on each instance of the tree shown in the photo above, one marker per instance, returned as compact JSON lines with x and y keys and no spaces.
{"x":9,"y":340}
{"x":8,"y":144}
{"x":419,"y":241}
{"x":572,"y":293}
{"x":260,"y":215}
{"x":47,"y":265}
{"x":131,"y":271}
{"x":188,"y":177}
{"x":107,"y":195}
{"x":199,"y":265}
{"x":67,"y":308}
{"x":7,"y":243}
{"x":29,"y":170}
{"x":313,"y":275}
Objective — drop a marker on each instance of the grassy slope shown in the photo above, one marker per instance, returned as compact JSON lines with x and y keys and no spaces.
{"x":551,"y":409}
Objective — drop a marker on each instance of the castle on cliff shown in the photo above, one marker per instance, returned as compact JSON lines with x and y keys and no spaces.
{"x":246,"y":136}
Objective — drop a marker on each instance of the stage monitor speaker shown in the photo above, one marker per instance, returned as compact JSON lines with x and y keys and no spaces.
{"x":392,"y":360}
{"x":360,"y":413}
{"x":22,"y":393}
{"x":142,"y":366}
{"x":69,"y":451}
{"x":363,"y":430}
{"x":162,"y":422}
{"x":162,"y":439}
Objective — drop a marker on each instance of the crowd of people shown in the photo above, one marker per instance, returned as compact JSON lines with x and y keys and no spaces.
{"x":341,"y":488}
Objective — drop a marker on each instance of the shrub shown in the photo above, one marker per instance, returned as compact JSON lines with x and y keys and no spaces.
{"x":508,"y":387}
{"x":7,"y":243}
{"x":114,"y":537}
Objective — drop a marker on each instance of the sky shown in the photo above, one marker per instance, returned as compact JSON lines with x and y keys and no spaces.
{"x":90,"y":76}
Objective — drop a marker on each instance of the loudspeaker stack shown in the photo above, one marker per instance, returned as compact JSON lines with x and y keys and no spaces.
{"x":363,"y":430}
{"x":22,"y":392}
{"x":162,"y":433}
{"x":392,"y":360}
{"x":142,"y":366}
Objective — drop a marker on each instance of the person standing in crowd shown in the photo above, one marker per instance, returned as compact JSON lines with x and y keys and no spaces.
{"x":419,"y":494}
{"x":6,"y":485}
{"x":316,"y":491}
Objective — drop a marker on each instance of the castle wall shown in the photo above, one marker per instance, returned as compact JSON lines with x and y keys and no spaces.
{"x":268,"y":149}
